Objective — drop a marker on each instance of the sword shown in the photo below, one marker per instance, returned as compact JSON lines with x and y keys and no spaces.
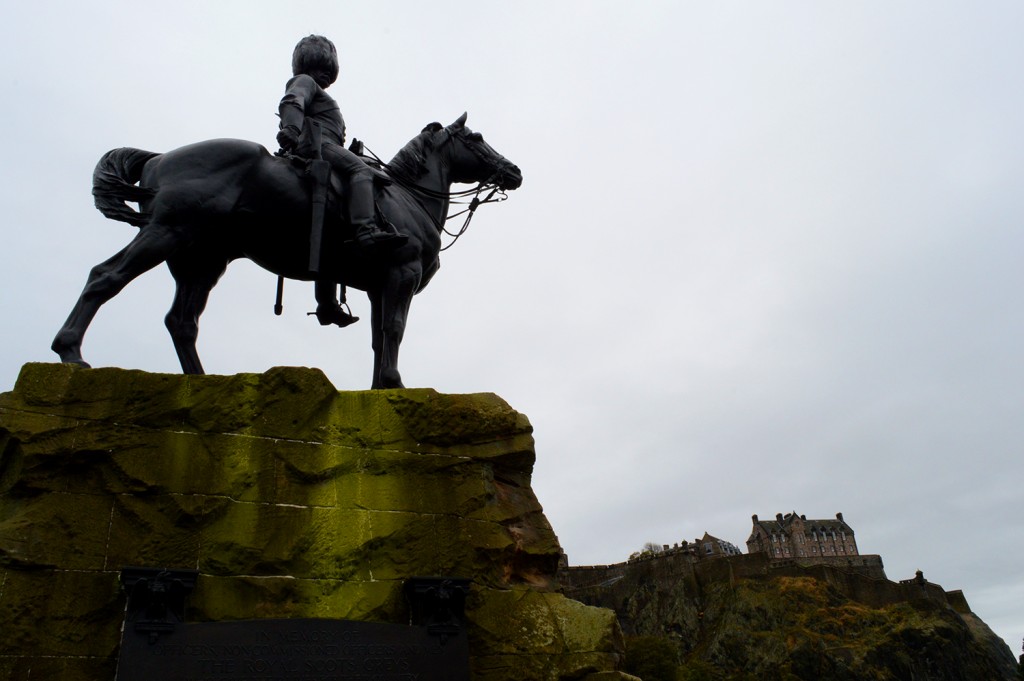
{"x":320,"y":173}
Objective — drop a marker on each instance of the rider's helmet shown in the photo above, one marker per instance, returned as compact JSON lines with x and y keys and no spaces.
{"x":315,"y":55}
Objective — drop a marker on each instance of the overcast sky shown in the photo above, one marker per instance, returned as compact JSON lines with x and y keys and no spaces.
{"x":764,"y":259}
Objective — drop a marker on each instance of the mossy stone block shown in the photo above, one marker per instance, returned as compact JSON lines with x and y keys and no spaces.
{"x":293,"y":500}
{"x":501,"y":620}
{"x":158,"y":530}
{"x":218,"y":599}
{"x":60,"y":613}
{"x":55,"y":530}
{"x":273,"y":539}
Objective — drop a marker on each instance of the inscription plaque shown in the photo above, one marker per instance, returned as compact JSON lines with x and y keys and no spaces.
{"x":294,"y":650}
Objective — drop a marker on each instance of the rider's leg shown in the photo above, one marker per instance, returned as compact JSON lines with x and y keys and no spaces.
{"x":360,"y":198}
{"x":329,"y":309}
{"x":360,"y":207}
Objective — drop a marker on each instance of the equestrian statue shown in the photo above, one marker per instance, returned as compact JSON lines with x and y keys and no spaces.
{"x":315,"y":211}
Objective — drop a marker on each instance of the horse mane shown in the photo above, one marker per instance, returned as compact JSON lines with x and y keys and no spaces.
{"x":410,"y":161}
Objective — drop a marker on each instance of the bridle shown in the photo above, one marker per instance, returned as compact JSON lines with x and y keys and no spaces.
{"x":451,"y":197}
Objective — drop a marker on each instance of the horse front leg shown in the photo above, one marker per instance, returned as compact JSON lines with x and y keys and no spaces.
{"x":395,"y":301}
{"x":377,"y":335}
{"x":148,"y":249}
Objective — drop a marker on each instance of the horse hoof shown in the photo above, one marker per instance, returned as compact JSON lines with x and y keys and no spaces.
{"x":69,"y":356}
{"x":390,"y":379}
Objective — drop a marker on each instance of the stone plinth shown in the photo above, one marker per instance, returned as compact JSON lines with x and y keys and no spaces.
{"x":292,"y":499}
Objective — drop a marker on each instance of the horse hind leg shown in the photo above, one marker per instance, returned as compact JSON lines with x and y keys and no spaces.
{"x":149,"y":248}
{"x":194,"y":279}
{"x":98,"y":290}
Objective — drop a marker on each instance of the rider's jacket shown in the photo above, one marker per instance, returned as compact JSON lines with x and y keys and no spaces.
{"x":304,"y":102}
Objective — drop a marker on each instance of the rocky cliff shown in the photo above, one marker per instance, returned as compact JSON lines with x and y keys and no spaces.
{"x":743,"y":618}
{"x":291,"y":499}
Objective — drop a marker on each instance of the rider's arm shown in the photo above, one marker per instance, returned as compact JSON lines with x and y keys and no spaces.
{"x":298,"y":95}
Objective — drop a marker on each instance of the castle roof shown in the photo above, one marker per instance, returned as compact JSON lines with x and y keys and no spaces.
{"x":726,"y":547}
{"x":782,"y":524}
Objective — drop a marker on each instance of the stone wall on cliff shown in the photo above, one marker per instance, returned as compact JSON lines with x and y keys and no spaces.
{"x":291,"y":499}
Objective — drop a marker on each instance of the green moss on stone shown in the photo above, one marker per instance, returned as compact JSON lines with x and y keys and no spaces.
{"x":156,"y":530}
{"x":446,"y":420}
{"x":518,"y":621}
{"x":55,"y":530}
{"x":234,"y":598}
{"x":60,"y":613}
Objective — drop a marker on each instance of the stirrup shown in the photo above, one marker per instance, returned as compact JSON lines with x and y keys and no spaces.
{"x":328,"y":314}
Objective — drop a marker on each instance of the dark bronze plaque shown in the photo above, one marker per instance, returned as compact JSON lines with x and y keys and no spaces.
{"x":293,"y":650}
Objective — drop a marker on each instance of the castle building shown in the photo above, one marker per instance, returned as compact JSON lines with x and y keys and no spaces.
{"x":713,"y":546}
{"x":794,"y":536}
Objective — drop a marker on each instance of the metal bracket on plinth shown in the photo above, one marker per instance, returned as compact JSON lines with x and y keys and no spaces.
{"x":438,"y":603}
{"x":156,"y":598}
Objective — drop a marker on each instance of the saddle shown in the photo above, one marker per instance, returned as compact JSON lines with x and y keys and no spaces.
{"x":303,"y":167}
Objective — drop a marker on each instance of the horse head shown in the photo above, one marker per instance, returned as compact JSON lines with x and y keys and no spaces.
{"x":471,"y":159}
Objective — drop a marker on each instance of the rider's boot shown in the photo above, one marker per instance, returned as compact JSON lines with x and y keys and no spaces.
{"x":329,"y":309}
{"x":369,"y":236}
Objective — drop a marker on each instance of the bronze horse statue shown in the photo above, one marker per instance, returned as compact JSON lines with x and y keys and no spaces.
{"x":206,"y":204}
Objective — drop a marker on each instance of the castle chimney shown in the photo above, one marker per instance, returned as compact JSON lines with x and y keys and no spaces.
{"x":778,"y":517}
{"x":754,"y":517}
{"x":839,"y":517}
{"x":803,"y":517}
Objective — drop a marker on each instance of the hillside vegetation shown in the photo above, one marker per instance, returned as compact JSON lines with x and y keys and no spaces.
{"x":796,"y":627}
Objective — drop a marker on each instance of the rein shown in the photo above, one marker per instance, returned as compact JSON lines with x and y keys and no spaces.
{"x":475,"y":203}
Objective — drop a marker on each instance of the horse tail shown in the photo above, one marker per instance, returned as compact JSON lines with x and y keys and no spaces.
{"x":113,"y":183}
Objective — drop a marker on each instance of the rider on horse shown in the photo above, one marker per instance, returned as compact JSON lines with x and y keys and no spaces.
{"x":305,"y":107}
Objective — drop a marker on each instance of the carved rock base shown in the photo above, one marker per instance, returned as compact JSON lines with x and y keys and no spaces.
{"x":291,"y":499}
